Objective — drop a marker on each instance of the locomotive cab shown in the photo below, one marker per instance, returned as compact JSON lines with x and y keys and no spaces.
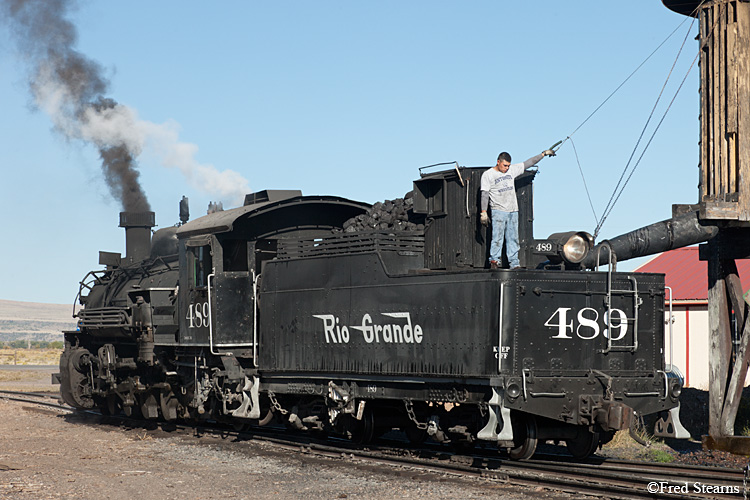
{"x":222,"y":257}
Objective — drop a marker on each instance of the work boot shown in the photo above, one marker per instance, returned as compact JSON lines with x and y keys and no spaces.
{"x":494,"y":264}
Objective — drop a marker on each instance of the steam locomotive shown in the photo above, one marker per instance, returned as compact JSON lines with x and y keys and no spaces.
{"x":272,"y":312}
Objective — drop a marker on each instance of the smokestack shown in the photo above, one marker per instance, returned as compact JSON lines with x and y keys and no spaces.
{"x":137,"y":234}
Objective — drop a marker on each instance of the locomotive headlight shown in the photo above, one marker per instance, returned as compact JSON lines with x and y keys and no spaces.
{"x":575,"y":249}
{"x":573,"y":246}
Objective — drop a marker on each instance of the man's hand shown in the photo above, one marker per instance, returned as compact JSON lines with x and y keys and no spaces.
{"x":548,"y":152}
{"x":484,"y":219}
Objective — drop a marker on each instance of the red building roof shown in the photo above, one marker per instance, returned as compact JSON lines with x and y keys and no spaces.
{"x":687,"y":275}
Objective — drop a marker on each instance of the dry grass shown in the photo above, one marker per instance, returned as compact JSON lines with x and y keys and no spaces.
{"x":7,"y":376}
{"x":27,"y":381}
{"x":21,"y":379}
{"x":48,"y":357}
{"x":625,"y":447}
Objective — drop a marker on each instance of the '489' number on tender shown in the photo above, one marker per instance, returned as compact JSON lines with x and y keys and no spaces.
{"x":585,"y":324}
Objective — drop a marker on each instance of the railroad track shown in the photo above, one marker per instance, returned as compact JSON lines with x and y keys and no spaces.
{"x":609,"y":478}
{"x":616,"y":479}
{"x":643,"y":480}
{"x":40,"y":398}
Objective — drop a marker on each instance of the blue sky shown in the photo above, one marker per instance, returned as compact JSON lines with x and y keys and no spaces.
{"x":350,"y":99}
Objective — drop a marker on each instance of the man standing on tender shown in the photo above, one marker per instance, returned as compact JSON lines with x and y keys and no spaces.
{"x":499,"y":192}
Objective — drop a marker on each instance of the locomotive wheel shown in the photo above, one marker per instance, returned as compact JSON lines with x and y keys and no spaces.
{"x":240,"y":426}
{"x":267,"y":419}
{"x":80,"y":359}
{"x":606,"y":437}
{"x":524,"y":437}
{"x":133,"y":411}
{"x":168,"y":405}
{"x":81,"y":391}
{"x":583,"y":445}
{"x":110,"y":405}
{"x":362,"y":431}
{"x":462,"y":446}
{"x":415,"y":435}
{"x":149,"y":406}
{"x":75,"y":389}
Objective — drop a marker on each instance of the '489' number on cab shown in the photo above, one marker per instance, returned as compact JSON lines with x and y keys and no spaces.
{"x":198,"y":315}
{"x":585,"y":324}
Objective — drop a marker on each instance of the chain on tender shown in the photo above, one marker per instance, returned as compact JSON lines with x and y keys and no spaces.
{"x":412,"y":416}
{"x":275,"y":404}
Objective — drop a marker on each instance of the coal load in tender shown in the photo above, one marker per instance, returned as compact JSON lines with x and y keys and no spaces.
{"x":394,"y":215}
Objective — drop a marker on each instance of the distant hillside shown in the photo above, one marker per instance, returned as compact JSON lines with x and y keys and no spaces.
{"x":34,"y":321}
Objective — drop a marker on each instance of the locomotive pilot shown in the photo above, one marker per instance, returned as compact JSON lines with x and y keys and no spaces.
{"x":499,"y":192}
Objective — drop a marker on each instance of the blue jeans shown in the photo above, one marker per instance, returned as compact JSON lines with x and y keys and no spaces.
{"x":504,"y":227}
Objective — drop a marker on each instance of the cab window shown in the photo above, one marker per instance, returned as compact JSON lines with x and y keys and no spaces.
{"x":235,"y":255}
{"x":199,"y":264}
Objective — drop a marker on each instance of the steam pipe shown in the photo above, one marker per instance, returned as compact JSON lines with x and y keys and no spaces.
{"x":676,"y":232}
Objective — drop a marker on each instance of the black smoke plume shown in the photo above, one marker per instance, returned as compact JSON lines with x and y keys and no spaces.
{"x":71,"y":88}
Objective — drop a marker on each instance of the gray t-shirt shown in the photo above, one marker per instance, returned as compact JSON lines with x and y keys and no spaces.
{"x":501,"y":187}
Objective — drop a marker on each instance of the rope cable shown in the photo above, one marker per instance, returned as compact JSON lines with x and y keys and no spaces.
{"x":596,"y":219}
{"x":624,"y":81}
{"x":649,"y":142}
{"x":692,"y":65}
{"x":610,"y":204}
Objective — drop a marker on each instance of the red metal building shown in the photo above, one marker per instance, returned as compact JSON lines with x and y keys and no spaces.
{"x":688,"y":278}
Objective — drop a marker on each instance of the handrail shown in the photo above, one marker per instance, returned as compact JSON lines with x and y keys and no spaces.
{"x":500,"y":332}
{"x":439,"y":164}
{"x":612,"y":257}
{"x":671,"y":333}
{"x":611,"y":268}
{"x":612,"y":263}
{"x":83,"y":283}
{"x":636,"y":305}
{"x":210,"y":315}
{"x":255,"y":318}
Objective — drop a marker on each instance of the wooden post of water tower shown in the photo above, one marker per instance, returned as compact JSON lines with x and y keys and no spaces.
{"x":724,"y":190}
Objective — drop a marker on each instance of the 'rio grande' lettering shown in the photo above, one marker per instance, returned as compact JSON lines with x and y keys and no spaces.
{"x":389,"y":333}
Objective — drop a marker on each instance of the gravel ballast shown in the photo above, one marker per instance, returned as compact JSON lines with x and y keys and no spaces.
{"x":48,"y":454}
